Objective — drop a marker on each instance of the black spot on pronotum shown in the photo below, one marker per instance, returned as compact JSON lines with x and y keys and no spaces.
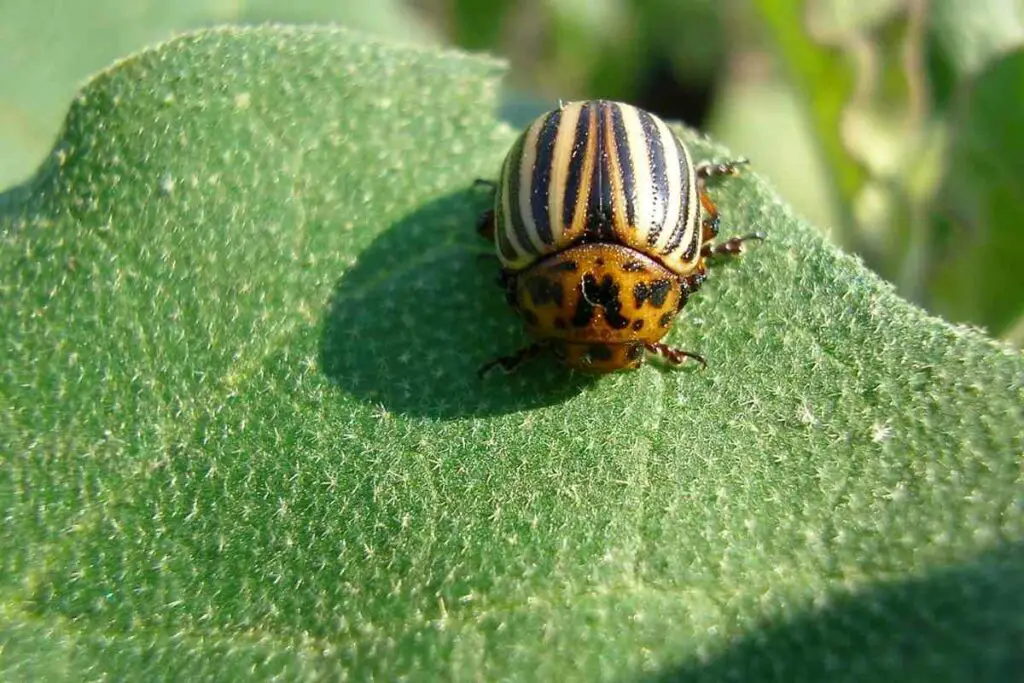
{"x":634,"y":267}
{"x":665,"y":319}
{"x":656,"y":292}
{"x":605,"y":295}
{"x":640,"y":291}
{"x":638,"y":325}
{"x":600,"y":352}
{"x":543,"y":291}
{"x":565,"y":266}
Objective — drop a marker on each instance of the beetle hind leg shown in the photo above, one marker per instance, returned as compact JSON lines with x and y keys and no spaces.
{"x":485,"y":224}
{"x":731,"y":167}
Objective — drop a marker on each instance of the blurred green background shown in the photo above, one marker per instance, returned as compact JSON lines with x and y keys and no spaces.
{"x":895,"y":126}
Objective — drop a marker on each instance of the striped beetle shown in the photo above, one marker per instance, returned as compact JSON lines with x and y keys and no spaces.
{"x":603,"y":227}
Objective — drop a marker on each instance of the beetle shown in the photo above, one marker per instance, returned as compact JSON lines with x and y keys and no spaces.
{"x":603,"y":227}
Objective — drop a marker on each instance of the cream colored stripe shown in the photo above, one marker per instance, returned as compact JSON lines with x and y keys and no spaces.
{"x":615,"y":174}
{"x":587,"y":171}
{"x":510,"y":233}
{"x":643,"y":202}
{"x":560,"y":161}
{"x":529,"y":160}
{"x":690,"y":188}
{"x":675,"y":198}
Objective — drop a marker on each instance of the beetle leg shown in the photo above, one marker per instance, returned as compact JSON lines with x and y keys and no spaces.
{"x":712,"y":219}
{"x":673,"y":355}
{"x":730,"y":247}
{"x":733,"y":245}
{"x":708,"y":170}
{"x":485,"y":224}
{"x":507,"y":281}
{"x":510,"y":363}
{"x":689,"y":286}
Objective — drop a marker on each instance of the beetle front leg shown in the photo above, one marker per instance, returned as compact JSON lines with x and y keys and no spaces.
{"x":512,"y":362}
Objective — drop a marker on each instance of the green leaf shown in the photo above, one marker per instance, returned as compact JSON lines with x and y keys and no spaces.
{"x":243,"y":305}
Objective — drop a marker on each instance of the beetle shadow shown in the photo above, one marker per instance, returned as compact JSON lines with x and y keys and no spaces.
{"x":954,"y":623}
{"x":411,"y":322}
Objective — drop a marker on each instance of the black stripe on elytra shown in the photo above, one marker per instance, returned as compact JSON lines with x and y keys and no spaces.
{"x":599,"y":207}
{"x":684,"y":200}
{"x":659,"y":179}
{"x":515,"y":212}
{"x":540,"y":187}
{"x":575,"y":175}
{"x":624,"y":154}
{"x":694,"y":245}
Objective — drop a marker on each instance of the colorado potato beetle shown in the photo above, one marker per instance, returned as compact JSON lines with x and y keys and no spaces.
{"x":603,"y":227}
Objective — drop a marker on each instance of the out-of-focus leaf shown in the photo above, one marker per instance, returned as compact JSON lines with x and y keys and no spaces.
{"x":826,"y":79}
{"x":973,"y":34}
{"x":50,"y":46}
{"x":890,"y":84}
{"x":765,"y":120}
{"x":480,"y":24}
{"x":978,"y":274}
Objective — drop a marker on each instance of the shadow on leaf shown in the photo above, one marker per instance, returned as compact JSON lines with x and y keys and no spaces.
{"x":958,"y":623}
{"x":411,"y":322}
